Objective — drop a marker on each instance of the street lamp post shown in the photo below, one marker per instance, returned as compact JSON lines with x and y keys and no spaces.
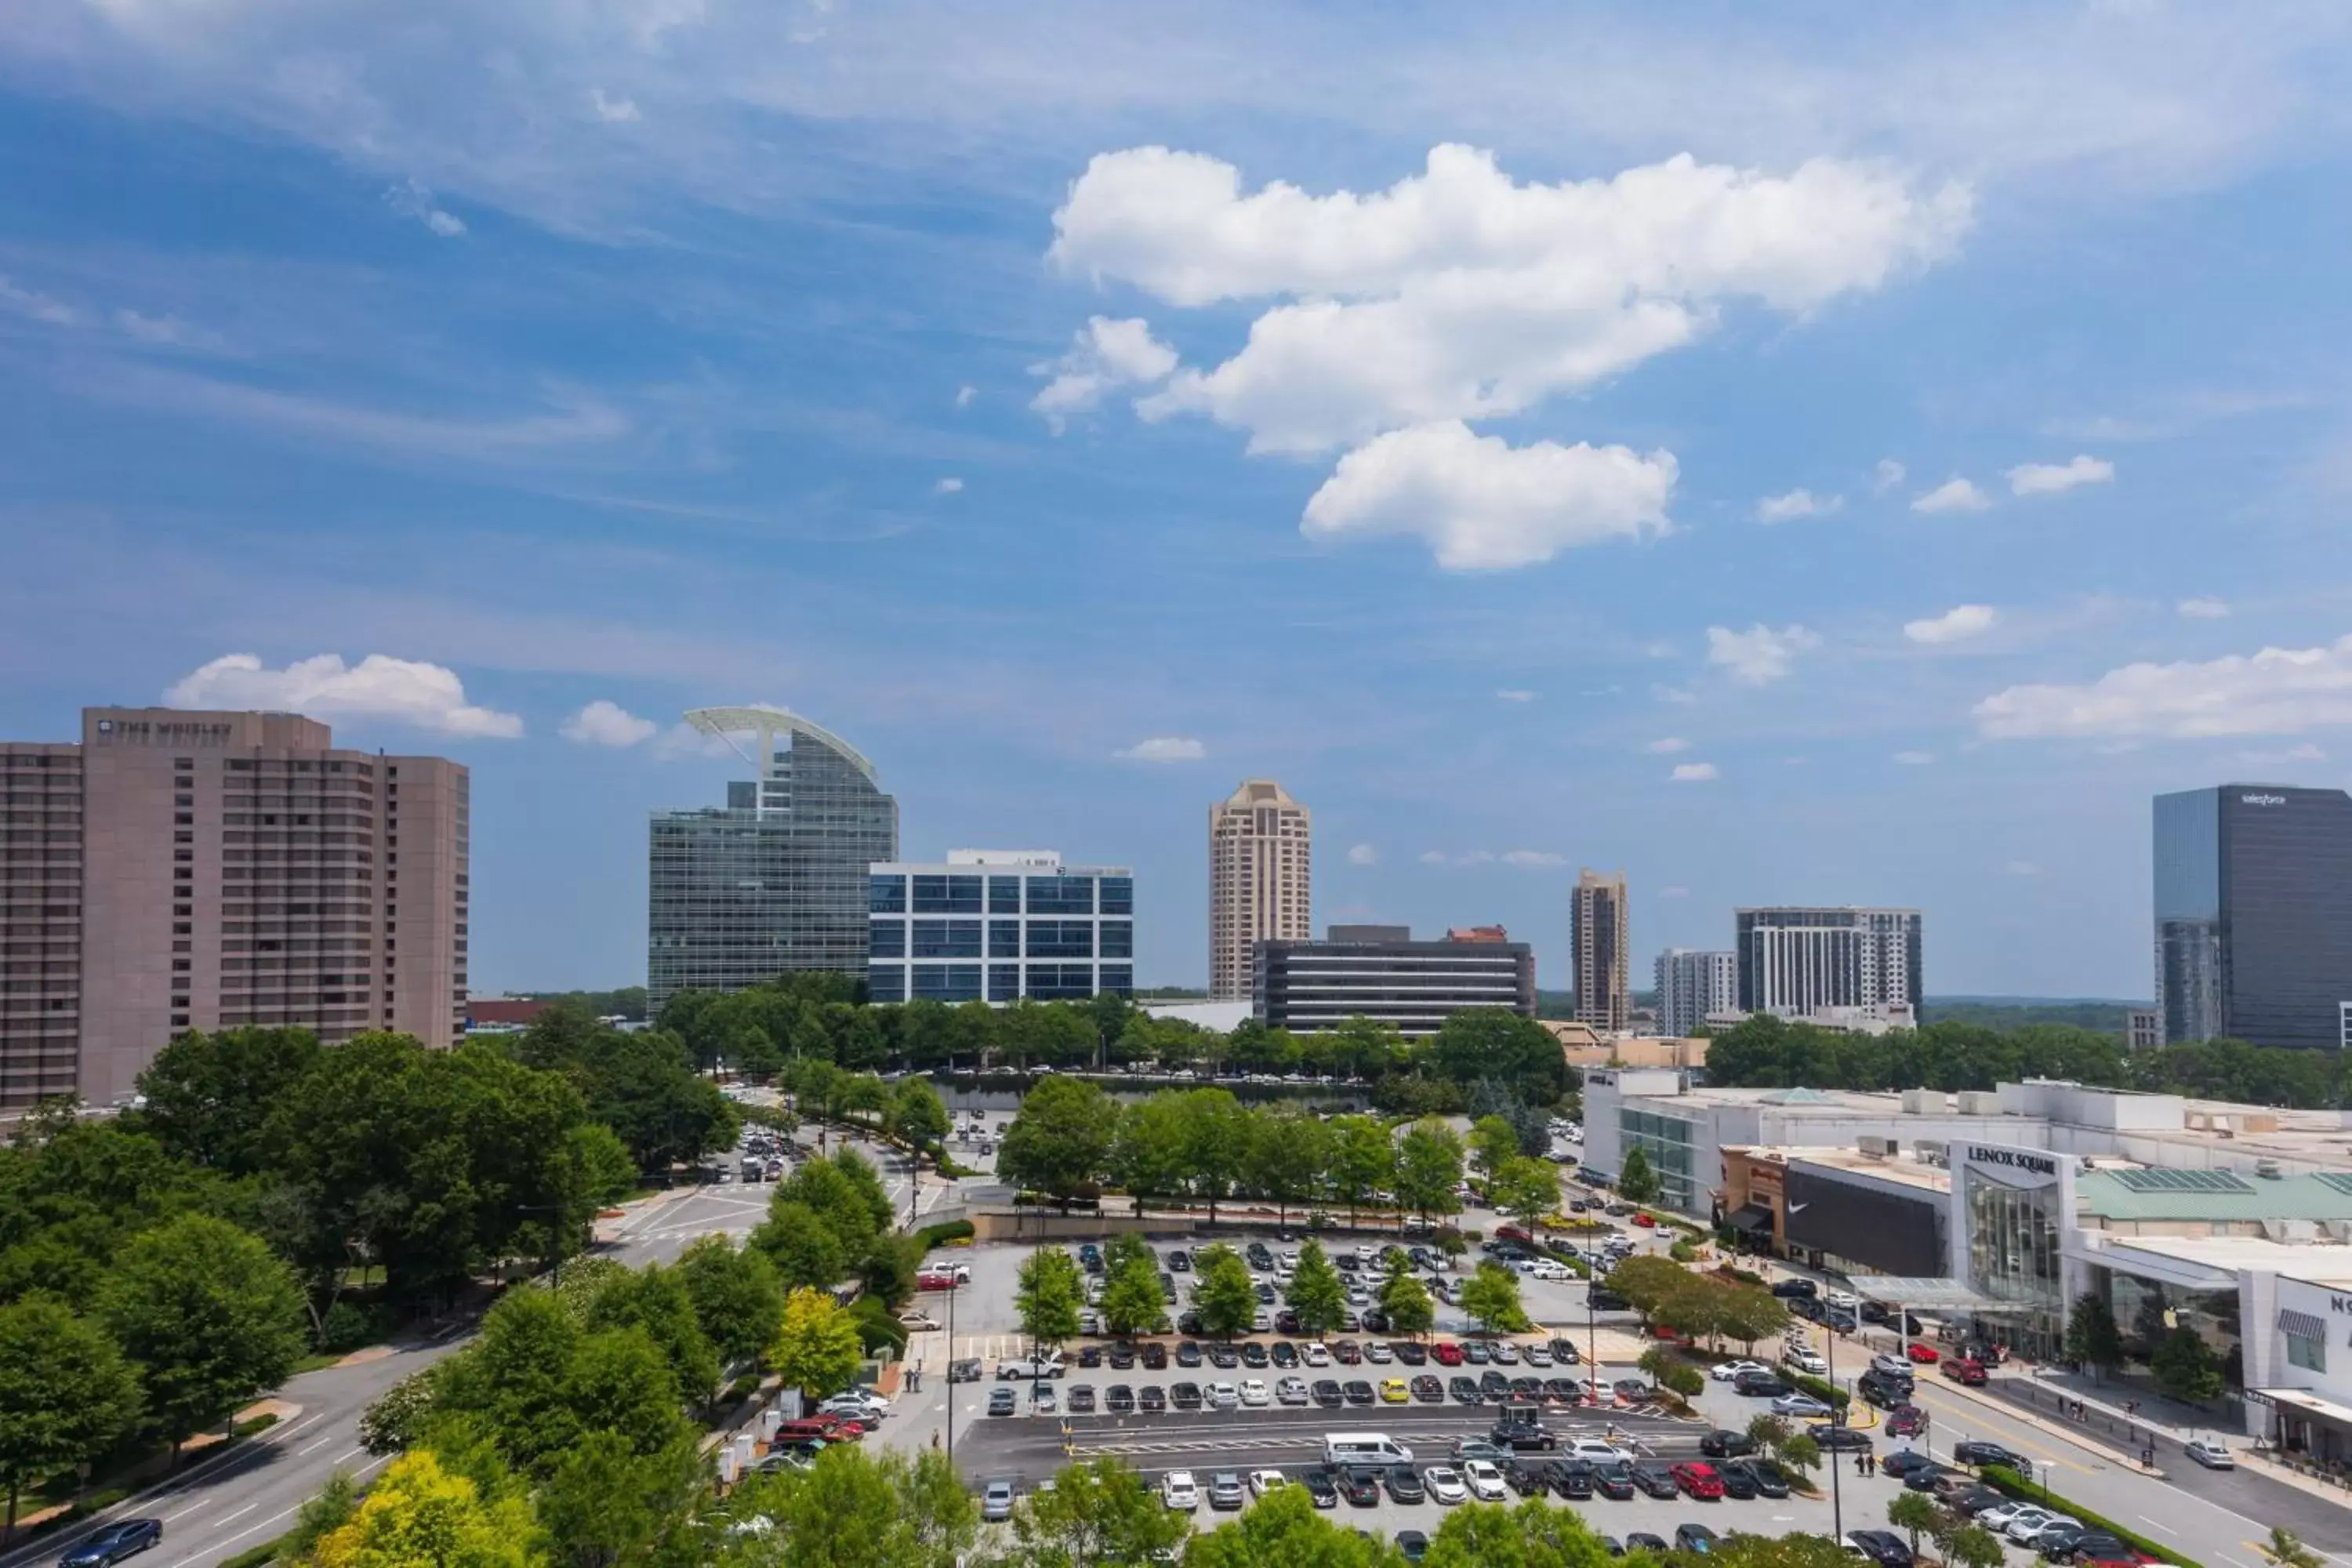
{"x":953,"y":1291}
{"x":1592,"y":1342}
{"x":1837,"y":1490}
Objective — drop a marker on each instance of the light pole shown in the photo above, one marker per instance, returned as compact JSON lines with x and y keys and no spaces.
{"x":1837,"y":1463}
{"x":1592,"y":1341}
{"x":953,"y":1291}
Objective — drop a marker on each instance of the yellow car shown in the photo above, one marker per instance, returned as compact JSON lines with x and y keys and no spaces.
{"x":1394,"y":1391}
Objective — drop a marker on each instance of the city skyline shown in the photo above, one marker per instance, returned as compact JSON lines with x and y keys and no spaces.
{"x":1893,"y":496}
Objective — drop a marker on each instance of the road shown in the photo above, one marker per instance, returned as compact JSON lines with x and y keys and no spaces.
{"x":214,"y":1511}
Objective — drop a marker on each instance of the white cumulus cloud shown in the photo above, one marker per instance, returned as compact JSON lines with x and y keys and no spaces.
{"x":2056,"y":478}
{"x":1363,"y":855}
{"x":410,"y":198}
{"x":1886,"y":476}
{"x":398,"y":691}
{"x":2202,"y":609}
{"x":1482,"y":504}
{"x":1693,"y":772}
{"x":1796,"y":504}
{"x":1915,"y":759}
{"x":1460,"y":293}
{"x":1536,"y":858}
{"x":1667,"y":747}
{"x":965,"y":393}
{"x":948,"y":486}
{"x":1165,"y":749}
{"x":1107,"y":356}
{"x":1759,"y":655}
{"x":1955,"y":625}
{"x":2277,"y":692}
{"x":612,"y":110}
{"x":1955,"y":494}
{"x":604,"y":723}
{"x":1513,"y":694}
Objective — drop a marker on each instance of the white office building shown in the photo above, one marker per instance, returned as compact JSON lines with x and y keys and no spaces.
{"x":1693,"y":986}
{"x":1797,"y":962}
{"x":997,"y":925}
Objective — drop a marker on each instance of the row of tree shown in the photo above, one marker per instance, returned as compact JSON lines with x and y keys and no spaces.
{"x":758,"y":1030}
{"x":1764,"y":1051}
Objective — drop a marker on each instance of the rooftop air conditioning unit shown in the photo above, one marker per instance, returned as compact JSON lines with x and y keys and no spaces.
{"x":2291,"y":1232}
{"x":1925,"y":1102}
{"x":2336,"y":1229}
{"x":1979,"y":1103}
{"x":2268,"y":1169}
{"x":1877,"y":1148}
{"x":1933,"y":1152}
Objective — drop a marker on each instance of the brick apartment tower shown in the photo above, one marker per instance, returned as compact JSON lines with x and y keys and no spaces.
{"x":182,"y":870}
{"x":1604,"y":991}
{"x":1260,"y":875}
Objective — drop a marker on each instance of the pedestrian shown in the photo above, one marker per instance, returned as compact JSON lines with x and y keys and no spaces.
{"x":935,"y":1439}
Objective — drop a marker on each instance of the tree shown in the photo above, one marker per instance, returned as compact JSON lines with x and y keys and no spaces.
{"x":1647,"y":1281}
{"x":1406,"y":1302}
{"x":1149,"y":1154}
{"x":1493,"y":1140}
{"x":1225,"y":1299}
{"x":816,"y":1349}
{"x":1492,"y":1297}
{"x":2093,"y":1336}
{"x":209,"y":1097}
{"x":2285,"y":1549}
{"x":322,"y":1513}
{"x":1131,"y":1299}
{"x":1532,"y":1535}
{"x":1217,"y":1143}
{"x":66,"y":1394}
{"x":1917,"y":1514}
{"x":855,"y":1509}
{"x":1282,"y":1530}
{"x":1060,"y":1142}
{"x":417,"y":1513}
{"x":736,"y":1296}
{"x":1800,"y":1453}
{"x":1635,"y":1180}
{"x":604,"y":1503}
{"x":602,"y":1169}
{"x":1493,"y":1042}
{"x":1363,"y":1160}
{"x":800,"y":1246}
{"x":1974,"y":1547}
{"x":2186,"y":1366}
{"x":1429,"y":1168}
{"x":1769,"y":1431}
{"x":208,"y":1314}
{"x":917,"y":1116}
{"x":657,"y":1300}
{"x":1288,"y":1152}
{"x":1316,"y":1292}
{"x":1524,"y":1189}
{"x":1049,"y":1296}
{"x":1099,"y":1514}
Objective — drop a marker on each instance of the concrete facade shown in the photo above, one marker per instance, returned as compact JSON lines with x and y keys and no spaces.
{"x":1261,"y":881}
{"x":231,"y":869}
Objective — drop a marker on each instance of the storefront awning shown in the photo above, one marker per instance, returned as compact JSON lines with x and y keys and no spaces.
{"x":1920,"y":1295}
{"x":2301,"y":1325}
{"x":2304,"y":1402}
{"x":1753,"y":1217}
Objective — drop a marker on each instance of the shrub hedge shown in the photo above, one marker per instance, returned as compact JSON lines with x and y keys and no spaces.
{"x":2011,"y":1484}
{"x":954,"y":1230}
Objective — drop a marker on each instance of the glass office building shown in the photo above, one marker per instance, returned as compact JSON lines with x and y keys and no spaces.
{"x":2013,"y":1244}
{"x":776,"y":879}
{"x":997,"y":926}
{"x":2253,"y":914}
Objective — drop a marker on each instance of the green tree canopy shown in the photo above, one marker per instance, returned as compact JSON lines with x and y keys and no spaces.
{"x":1059,"y":1143}
{"x":2093,"y":1336}
{"x":1131,"y":1299}
{"x":1100,"y":1513}
{"x":736,"y":1296}
{"x":1406,"y":1302}
{"x":1225,"y":1297}
{"x":209,"y":1097}
{"x":1491,"y":1295}
{"x":1429,"y":1167}
{"x":1316,"y":1292}
{"x":816,"y":1349}
{"x":66,"y":1394}
{"x":1636,"y":1179}
{"x":1049,"y":1295}
{"x":211,"y":1318}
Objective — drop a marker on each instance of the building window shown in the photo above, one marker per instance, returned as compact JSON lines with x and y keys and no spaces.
{"x":1118,"y":895}
{"x":1004,"y":895}
{"x":1003,"y":982}
{"x":1119,"y":978}
{"x":1118,"y":939}
{"x":1061,"y":895}
{"x":885,"y":895}
{"x":1061,"y":939}
{"x":947,"y":981}
{"x":2310,"y":1354}
{"x":1004,"y":938}
{"x":946,"y":939}
{"x":887,"y":982}
{"x":1061,"y":982}
{"x":946,"y":895}
{"x":889,"y":939}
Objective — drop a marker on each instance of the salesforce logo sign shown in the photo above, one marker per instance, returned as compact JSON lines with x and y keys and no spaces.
{"x":2262,"y":799}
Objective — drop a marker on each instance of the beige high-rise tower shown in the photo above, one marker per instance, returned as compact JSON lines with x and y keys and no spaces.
{"x":1597,"y":942}
{"x":1259,"y":878}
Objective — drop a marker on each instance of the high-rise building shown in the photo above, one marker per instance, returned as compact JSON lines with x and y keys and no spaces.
{"x":1693,"y":986}
{"x":2143,"y":1028}
{"x":181,"y":870}
{"x":2254,"y":915}
{"x":1604,"y":991}
{"x":1796,"y":962}
{"x":997,"y":925}
{"x":775,"y":880}
{"x":1381,"y":974}
{"x":1260,"y":874}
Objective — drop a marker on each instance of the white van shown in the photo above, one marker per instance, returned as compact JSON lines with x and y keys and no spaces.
{"x":1364,"y":1449}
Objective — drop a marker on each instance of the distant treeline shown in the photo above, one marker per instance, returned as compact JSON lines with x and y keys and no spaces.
{"x":628,"y":1001}
{"x":1950,"y":1055}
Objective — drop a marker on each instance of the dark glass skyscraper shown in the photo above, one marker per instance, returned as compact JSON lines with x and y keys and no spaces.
{"x":777,"y":879}
{"x":2253,"y":914}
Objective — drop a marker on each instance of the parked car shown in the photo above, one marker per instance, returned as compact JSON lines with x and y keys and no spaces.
{"x":2210,"y":1453}
{"x":1698,"y":1481}
{"x":1404,"y":1484}
{"x":1964,"y":1370}
{"x":1723,"y":1443}
{"x":1883,"y":1547}
{"x":996,"y":1501}
{"x":1765,"y":1476}
{"x":1798,"y":1406}
{"x":1572,"y":1478}
{"x":1485,"y":1479}
{"x":1837,"y":1438}
{"x":1790,"y":1289}
{"x":1445,"y":1485}
{"x":1729,"y":1371}
{"x":1322,"y":1488}
{"x":1001,"y":1402}
{"x":1694,"y":1538}
{"x":1655,"y":1479}
{"x":1179,"y":1491}
{"x":1978,"y":1453}
{"x":1225,"y":1490}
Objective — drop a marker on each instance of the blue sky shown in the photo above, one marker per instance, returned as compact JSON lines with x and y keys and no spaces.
{"x":1579,"y":490}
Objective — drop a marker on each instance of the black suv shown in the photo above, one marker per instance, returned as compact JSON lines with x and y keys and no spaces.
{"x":1789,"y":1290}
{"x":1155,"y":1356}
{"x":1465,"y":1389}
{"x":1122,"y":1355}
{"x":1759,"y":1385}
{"x":1184,"y":1395}
{"x":1883,"y":1547}
{"x":1572,"y":1478}
{"x":1609,"y":1301}
{"x":1990,"y":1454}
{"x":1322,"y":1488}
{"x":1080,"y":1399}
{"x":1885,"y":1390}
{"x":1836,"y":1437}
{"x":1119,"y":1399}
{"x":1763,"y":1474}
{"x":1725,"y":1444}
{"x":1522,"y":1435}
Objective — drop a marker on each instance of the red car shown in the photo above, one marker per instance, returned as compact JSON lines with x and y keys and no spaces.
{"x":1698,"y":1481}
{"x":1907,"y":1420}
{"x":1645,"y":1222}
{"x":1923,"y":1354}
{"x":1512,"y":1233}
{"x":1961,"y":1369}
{"x":1445,"y":1352}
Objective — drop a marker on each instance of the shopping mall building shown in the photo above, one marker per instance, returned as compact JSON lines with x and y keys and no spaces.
{"x":1995,"y":1211}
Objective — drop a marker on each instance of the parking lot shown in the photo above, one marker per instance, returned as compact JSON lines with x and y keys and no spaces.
{"x":1136,"y":1412}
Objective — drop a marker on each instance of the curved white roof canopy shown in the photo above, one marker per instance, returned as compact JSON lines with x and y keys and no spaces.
{"x":768,"y":722}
